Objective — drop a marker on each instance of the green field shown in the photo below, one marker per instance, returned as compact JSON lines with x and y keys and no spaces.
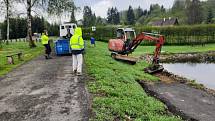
{"x":116,"y":92}
{"x":15,"y":47}
{"x":174,"y":49}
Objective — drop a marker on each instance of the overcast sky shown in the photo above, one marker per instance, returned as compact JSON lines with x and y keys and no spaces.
{"x":100,"y":7}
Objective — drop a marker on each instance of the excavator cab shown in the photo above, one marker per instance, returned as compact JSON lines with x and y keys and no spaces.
{"x":126,"y":34}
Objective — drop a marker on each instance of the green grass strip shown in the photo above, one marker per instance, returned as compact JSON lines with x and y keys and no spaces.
{"x":116,"y":93}
{"x":15,"y":47}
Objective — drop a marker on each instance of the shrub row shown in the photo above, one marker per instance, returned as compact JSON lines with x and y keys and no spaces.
{"x":175,"y":35}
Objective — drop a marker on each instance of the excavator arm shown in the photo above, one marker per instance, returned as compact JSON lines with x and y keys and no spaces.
{"x":159,"y":40}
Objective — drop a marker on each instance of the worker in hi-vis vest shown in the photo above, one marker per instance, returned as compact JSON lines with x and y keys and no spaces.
{"x":46,"y":43}
{"x":77,"y":46}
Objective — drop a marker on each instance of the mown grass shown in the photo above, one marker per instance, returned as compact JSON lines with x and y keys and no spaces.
{"x":174,"y":49}
{"x":116,"y":92}
{"x":14,"y":47}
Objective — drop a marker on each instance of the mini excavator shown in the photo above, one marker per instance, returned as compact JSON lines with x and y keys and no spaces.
{"x":127,"y":42}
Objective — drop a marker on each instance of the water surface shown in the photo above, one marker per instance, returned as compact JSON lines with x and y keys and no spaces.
{"x":201,"y":72}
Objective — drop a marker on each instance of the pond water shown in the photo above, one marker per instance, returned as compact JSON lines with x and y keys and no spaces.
{"x":201,"y":72}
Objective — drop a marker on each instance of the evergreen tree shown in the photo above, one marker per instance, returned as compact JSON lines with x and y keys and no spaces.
{"x":194,"y":12}
{"x":88,"y":17}
{"x":109,"y":16}
{"x":154,"y":9}
{"x":93,"y":19}
{"x":210,"y":16}
{"x":178,"y":5}
{"x":163,"y":10}
{"x":99,"y":21}
{"x":139,"y":12}
{"x":130,"y":16}
{"x":116,"y":17}
{"x":72,"y":17}
{"x":145,"y":12}
{"x":113,"y":16}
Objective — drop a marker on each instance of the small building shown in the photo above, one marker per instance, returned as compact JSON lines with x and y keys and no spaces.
{"x":66,"y":28}
{"x":166,"y":22}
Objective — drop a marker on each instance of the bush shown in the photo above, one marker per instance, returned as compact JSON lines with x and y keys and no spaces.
{"x":174,"y":35}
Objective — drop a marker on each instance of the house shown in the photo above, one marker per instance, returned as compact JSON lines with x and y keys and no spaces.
{"x":166,"y":22}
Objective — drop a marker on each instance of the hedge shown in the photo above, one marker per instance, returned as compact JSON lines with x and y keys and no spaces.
{"x":174,"y":35}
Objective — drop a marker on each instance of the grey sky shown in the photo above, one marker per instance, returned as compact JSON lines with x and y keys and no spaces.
{"x":100,"y":7}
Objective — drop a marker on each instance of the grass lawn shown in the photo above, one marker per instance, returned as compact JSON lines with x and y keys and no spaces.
{"x":15,"y":47}
{"x":175,"y":49}
{"x":116,"y":93}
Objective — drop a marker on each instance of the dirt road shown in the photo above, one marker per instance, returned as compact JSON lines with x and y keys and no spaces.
{"x":44,"y":90}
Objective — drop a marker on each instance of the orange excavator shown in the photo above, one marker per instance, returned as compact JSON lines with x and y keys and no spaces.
{"x":127,"y":42}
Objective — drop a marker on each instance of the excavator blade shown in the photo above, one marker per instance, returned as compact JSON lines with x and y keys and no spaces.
{"x":154,"y":69}
{"x":125,"y":58}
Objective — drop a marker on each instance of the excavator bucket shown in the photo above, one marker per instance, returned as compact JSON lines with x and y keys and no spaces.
{"x":154,"y":69}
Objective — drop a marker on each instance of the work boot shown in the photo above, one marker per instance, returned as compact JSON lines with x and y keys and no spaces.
{"x":74,"y":72}
{"x":49,"y":57}
{"x":79,"y":73}
{"x":46,"y":57}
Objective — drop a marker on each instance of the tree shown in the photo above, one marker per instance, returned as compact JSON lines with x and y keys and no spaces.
{"x":109,"y":16}
{"x":145,"y":12}
{"x":163,"y":10}
{"x":155,"y":10}
{"x":7,"y":16}
{"x":8,"y":5}
{"x":30,"y":4}
{"x":116,"y":17}
{"x":72,"y":17}
{"x":54,"y":7}
{"x":17,"y":28}
{"x":100,"y":21}
{"x":130,"y":16}
{"x":194,"y":12}
{"x":59,"y":7}
{"x":113,"y":16}
{"x":89,"y":18}
{"x":38,"y":24}
{"x":178,"y":5}
{"x":210,"y":16}
{"x":139,"y":12}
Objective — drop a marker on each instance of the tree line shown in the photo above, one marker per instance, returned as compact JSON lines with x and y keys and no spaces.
{"x":18,"y":27}
{"x":187,"y":12}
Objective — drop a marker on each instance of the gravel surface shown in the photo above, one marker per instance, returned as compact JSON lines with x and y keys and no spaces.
{"x":44,"y":90}
{"x":190,"y":103}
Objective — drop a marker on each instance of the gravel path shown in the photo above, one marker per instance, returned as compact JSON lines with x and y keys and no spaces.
{"x":190,"y":103}
{"x":44,"y":90}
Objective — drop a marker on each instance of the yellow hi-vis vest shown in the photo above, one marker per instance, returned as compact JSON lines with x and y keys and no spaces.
{"x":44,"y":39}
{"x":77,"y":42}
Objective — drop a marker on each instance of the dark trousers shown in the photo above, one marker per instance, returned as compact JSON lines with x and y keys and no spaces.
{"x":48,"y":49}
